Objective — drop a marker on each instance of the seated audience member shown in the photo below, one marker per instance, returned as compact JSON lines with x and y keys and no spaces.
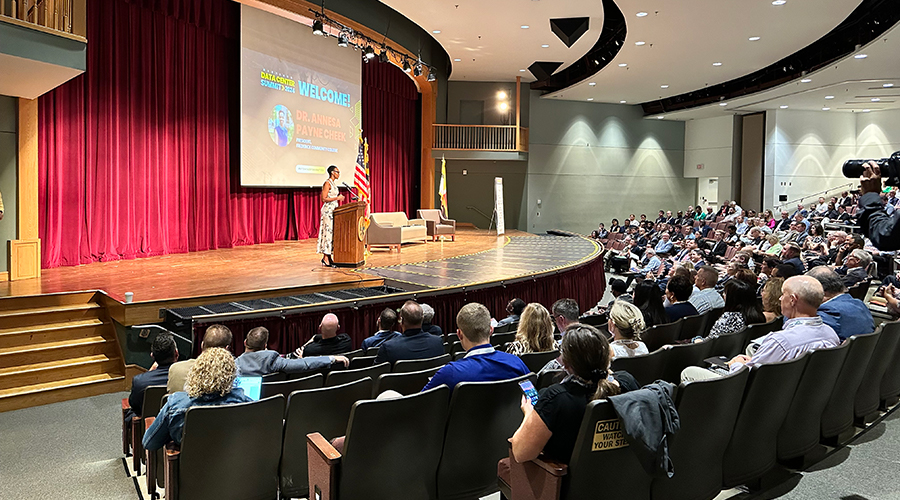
{"x":164,"y":352}
{"x":741,"y":309}
{"x":705,"y":298}
{"x":649,"y":264}
{"x":626,"y":322}
{"x":844,"y":314}
{"x":215,"y":336}
{"x":565,"y":312}
{"x":210,"y":382}
{"x":535,"y":331}
{"x":427,"y":318}
{"x":771,"y":298}
{"x":482,"y":362}
{"x":854,"y":271}
{"x":259,"y":360}
{"x":696,"y":259}
{"x":664,"y":245}
{"x":649,"y":299}
{"x":678,"y":291}
{"x":514,"y":310}
{"x":386,"y":323}
{"x":803,"y":330}
{"x":327,"y":342}
{"x":791,"y":255}
{"x":619,"y":290}
{"x":552,"y":424}
{"x":772,"y":247}
{"x":414,"y":343}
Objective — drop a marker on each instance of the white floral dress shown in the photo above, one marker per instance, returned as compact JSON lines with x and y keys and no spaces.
{"x":326,"y":224}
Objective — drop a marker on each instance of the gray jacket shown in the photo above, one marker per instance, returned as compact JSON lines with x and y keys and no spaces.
{"x":649,"y":419}
{"x":259,"y":363}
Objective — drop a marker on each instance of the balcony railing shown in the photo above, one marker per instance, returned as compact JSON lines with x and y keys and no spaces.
{"x":480,"y":137}
{"x":57,"y":15}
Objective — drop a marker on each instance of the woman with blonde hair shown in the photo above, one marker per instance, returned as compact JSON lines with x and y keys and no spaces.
{"x":535,"y":331}
{"x":210,"y":382}
{"x":626,"y":322}
{"x":771,"y":298}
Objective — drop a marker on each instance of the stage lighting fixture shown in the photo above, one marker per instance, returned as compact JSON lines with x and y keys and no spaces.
{"x":406,"y":68}
{"x":370,"y":52}
{"x":383,"y":57}
{"x":318,"y":28}
{"x":417,"y":70}
{"x":432,"y":76}
{"x":343,"y":41}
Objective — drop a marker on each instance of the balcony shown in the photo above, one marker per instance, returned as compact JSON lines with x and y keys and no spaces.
{"x":500,"y":138}
{"x":61,"y":16}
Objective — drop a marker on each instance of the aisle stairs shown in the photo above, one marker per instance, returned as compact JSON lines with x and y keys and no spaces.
{"x":56,"y":347}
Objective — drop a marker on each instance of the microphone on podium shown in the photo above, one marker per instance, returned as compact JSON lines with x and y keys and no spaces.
{"x":352,"y":196}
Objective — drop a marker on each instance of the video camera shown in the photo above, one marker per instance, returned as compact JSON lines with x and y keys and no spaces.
{"x":890,"y":169}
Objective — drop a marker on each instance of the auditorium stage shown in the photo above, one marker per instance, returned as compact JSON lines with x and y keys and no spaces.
{"x":292,"y":267}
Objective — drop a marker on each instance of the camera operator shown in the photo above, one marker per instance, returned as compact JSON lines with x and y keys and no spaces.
{"x":882,"y":229}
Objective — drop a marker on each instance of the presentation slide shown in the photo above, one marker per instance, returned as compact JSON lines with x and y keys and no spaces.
{"x":300,"y":103}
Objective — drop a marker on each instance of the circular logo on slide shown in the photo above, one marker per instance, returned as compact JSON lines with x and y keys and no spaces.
{"x":281,"y":125}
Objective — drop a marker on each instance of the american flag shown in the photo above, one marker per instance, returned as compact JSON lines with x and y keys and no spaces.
{"x":361,"y":175}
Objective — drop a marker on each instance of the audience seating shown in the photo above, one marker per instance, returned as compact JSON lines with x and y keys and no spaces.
{"x":343,"y":376}
{"x":288,"y":386}
{"x":361,"y":362}
{"x":509,"y":327}
{"x":868,"y":397}
{"x":274,"y":377}
{"x":436,"y":224}
{"x":799,"y":433}
{"x":707,"y":410}
{"x":218,"y":445}
{"x":678,"y":357}
{"x":133,"y":430}
{"x":325,"y":411}
{"x":645,"y":368}
{"x":594,"y":319}
{"x":405,"y":383}
{"x":482,"y":417}
{"x":502,"y":338}
{"x":156,"y":462}
{"x":456,"y":347}
{"x":353,"y":354}
{"x":890,"y":383}
{"x":859,"y":290}
{"x":838,"y":414}
{"x":550,"y":377}
{"x":767,"y":399}
{"x":414,"y":365}
{"x":458,"y":355}
{"x":730,"y":345}
{"x":536,"y":360}
{"x":693,"y":326}
{"x":381,"y":461}
{"x":372,"y":351}
{"x":660,"y":335}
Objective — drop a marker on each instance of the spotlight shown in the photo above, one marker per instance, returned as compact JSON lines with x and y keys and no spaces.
{"x":406,"y":68}
{"x":369,"y":52}
{"x":343,"y":41}
{"x":417,"y":70}
{"x":383,"y":57}
{"x":318,"y":28}
{"x":432,"y":76}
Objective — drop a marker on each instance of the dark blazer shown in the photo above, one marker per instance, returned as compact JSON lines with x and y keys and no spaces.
{"x":796,"y":262}
{"x":680,"y":310}
{"x":140,"y":383}
{"x":847,"y":316}
{"x":433,"y":329}
{"x":718,"y":249}
{"x":854,"y":276}
{"x":413,"y":344}
{"x":339,"y":344}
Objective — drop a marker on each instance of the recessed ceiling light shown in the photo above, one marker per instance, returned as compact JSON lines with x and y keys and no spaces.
{"x":640,"y":42}
{"x":888,"y":85}
{"x":779,"y":2}
{"x":753,"y":38}
{"x":436,"y":32}
{"x":590,"y":98}
{"x":642,"y":14}
{"x":660,"y":117}
{"x":622,"y":102}
{"x":829,"y":97}
{"x":825,"y":109}
{"x":457,"y":60}
{"x":545,"y":46}
{"x":663,"y":86}
{"x":875,"y":99}
{"x":622,"y":65}
{"x":783,"y":106}
{"x":524,"y":26}
{"x":805,"y":80}
{"x":866,"y":110}
{"x":592,"y":84}
{"x":522,"y":70}
{"x":717,"y":64}
{"x":723,"y":104}
{"x":860,"y":56}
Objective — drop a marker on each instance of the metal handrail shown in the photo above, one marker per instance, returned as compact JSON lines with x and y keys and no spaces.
{"x":489,"y":218}
{"x":814,"y":195}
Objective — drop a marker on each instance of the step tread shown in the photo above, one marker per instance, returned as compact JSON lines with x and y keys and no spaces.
{"x":49,"y":309}
{"x":81,"y":323}
{"x":60,"y":384}
{"x":54,"y":345}
{"x":58,"y":363}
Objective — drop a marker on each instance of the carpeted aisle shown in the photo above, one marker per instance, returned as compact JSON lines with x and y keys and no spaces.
{"x":64,"y":450}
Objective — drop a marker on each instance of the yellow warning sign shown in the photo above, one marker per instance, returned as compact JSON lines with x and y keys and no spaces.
{"x":608,"y":435}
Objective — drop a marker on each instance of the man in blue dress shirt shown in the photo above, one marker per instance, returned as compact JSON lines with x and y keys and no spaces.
{"x":482,"y":362}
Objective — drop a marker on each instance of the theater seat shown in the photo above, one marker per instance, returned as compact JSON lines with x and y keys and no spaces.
{"x":341,"y":377}
{"x":868,"y":396}
{"x":133,"y":430}
{"x":730,"y":345}
{"x":536,"y":360}
{"x":680,"y":356}
{"x":660,"y":335}
{"x":380,"y":461}
{"x":837,"y":416}
{"x":405,"y":383}
{"x":890,"y":382}
{"x":645,"y":368}
{"x":693,"y":326}
{"x":288,"y":386}
{"x":414,"y":365}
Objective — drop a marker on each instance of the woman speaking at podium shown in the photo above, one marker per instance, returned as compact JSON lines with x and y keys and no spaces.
{"x":330,"y":198}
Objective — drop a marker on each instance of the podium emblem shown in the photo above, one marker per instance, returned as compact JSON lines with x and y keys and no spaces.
{"x":361,"y":228}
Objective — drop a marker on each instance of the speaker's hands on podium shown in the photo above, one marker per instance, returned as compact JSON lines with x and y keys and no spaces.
{"x":340,"y":197}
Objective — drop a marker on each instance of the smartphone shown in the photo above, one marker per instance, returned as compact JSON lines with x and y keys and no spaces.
{"x":530,"y":391}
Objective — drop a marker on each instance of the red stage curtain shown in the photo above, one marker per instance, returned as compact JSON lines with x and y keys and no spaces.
{"x":137,"y":158}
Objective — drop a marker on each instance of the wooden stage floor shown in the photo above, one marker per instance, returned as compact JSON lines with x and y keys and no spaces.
{"x":294,"y":264}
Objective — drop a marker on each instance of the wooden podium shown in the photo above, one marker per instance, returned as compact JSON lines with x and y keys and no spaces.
{"x":350,"y":234}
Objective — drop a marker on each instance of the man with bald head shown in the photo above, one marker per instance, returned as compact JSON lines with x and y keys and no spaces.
{"x":215,"y":336}
{"x":414,"y":343}
{"x":327,"y":342}
{"x":803,"y":330}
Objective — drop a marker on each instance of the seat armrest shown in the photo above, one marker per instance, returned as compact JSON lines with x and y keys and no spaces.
{"x":173,"y":455}
{"x":137,"y":446}
{"x":430,"y":224}
{"x":126,"y":428}
{"x":324,"y":466}
{"x":151,"y":462}
{"x":449,"y":222}
{"x":416,"y":222}
{"x":125,"y":405}
{"x":538,"y":479}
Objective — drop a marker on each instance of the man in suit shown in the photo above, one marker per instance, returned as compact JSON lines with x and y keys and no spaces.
{"x":164,"y":352}
{"x":215,"y":336}
{"x":791,"y":255}
{"x":259,"y":360}
{"x":386,"y":323}
{"x":854,"y":271}
{"x":785,"y":223}
{"x":844,"y":314}
{"x":717,"y":252}
{"x":414,"y":343}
